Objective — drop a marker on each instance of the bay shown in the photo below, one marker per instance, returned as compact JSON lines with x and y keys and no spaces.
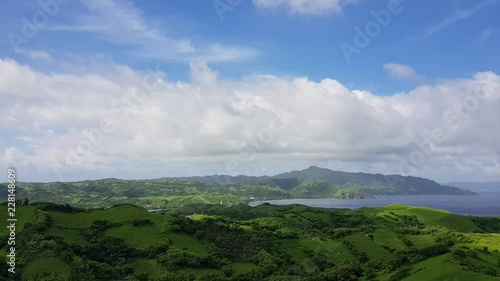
{"x":484,"y":204}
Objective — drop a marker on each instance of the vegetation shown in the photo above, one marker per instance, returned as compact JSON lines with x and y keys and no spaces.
{"x":267,"y":242}
{"x":164,"y":193}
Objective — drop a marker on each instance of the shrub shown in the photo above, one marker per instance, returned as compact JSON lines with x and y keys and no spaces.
{"x":139,"y":222}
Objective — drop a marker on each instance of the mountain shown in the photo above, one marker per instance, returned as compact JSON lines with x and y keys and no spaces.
{"x":316,"y":182}
{"x":313,"y":182}
{"x":478,"y":186}
{"x":327,"y":183}
{"x":284,"y":183}
{"x":369,"y":184}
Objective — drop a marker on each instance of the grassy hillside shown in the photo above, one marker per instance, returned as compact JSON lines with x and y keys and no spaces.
{"x":266,"y":242}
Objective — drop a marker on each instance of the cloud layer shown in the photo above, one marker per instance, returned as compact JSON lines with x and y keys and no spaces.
{"x":122,"y":122}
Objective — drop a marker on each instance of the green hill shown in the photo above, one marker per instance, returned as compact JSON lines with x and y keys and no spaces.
{"x":266,"y":242}
{"x":374,"y":183}
{"x":163,"y":193}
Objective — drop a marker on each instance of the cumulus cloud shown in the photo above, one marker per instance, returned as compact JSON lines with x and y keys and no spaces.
{"x":401,"y":71}
{"x":201,"y":73}
{"x":127,"y":123}
{"x":305,"y":7}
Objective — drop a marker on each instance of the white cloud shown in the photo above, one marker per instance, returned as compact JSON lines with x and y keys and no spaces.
{"x":456,"y":17}
{"x":487,"y":34}
{"x":306,"y":7}
{"x":401,"y":71}
{"x":123,"y":24}
{"x":33,"y":54}
{"x":201,"y":73}
{"x":194,"y":128}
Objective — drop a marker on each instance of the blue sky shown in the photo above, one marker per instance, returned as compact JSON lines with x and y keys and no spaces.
{"x":255,"y":50}
{"x":440,"y":39}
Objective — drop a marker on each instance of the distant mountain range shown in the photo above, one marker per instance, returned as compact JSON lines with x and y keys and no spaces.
{"x":313,"y":182}
{"x":324,"y":183}
{"x":477,"y":186}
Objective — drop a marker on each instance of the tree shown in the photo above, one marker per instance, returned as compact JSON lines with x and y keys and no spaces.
{"x":459,"y":254}
{"x":342,"y":273}
{"x":176,"y":276}
{"x":45,"y":276}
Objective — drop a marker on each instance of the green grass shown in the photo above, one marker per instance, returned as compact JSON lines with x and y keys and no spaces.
{"x":199,"y":217}
{"x":297,"y":253}
{"x":491,"y":258}
{"x":67,"y":225}
{"x":69,"y":235}
{"x":192,"y":244}
{"x":265,"y":211}
{"x":386,"y":237}
{"x":117,"y":214}
{"x":312,"y":225}
{"x":151,"y":267}
{"x":317,"y":216}
{"x":197,"y":272}
{"x":240,"y":267}
{"x":430,"y":216}
{"x":139,"y":237}
{"x":175,"y":201}
{"x":373,"y":249}
{"x":421,"y":241}
{"x":24,"y":214}
{"x":439,"y":269}
{"x":490,"y":240}
{"x":53,"y":265}
{"x":334,"y":249}
{"x":246,"y":227}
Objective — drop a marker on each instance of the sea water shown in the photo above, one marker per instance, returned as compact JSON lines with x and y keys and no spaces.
{"x":484,"y":204}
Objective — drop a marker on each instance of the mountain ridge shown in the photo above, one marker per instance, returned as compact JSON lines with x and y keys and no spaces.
{"x":401,"y":184}
{"x":313,"y":182}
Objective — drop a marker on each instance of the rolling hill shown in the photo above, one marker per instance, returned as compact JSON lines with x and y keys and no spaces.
{"x":270,"y":243}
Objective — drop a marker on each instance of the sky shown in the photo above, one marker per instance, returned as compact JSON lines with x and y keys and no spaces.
{"x":146,"y":89}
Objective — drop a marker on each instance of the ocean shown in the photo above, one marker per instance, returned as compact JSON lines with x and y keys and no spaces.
{"x":485,"y":204}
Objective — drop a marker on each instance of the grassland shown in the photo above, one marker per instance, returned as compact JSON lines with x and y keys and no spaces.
{"x":396,"y":242}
